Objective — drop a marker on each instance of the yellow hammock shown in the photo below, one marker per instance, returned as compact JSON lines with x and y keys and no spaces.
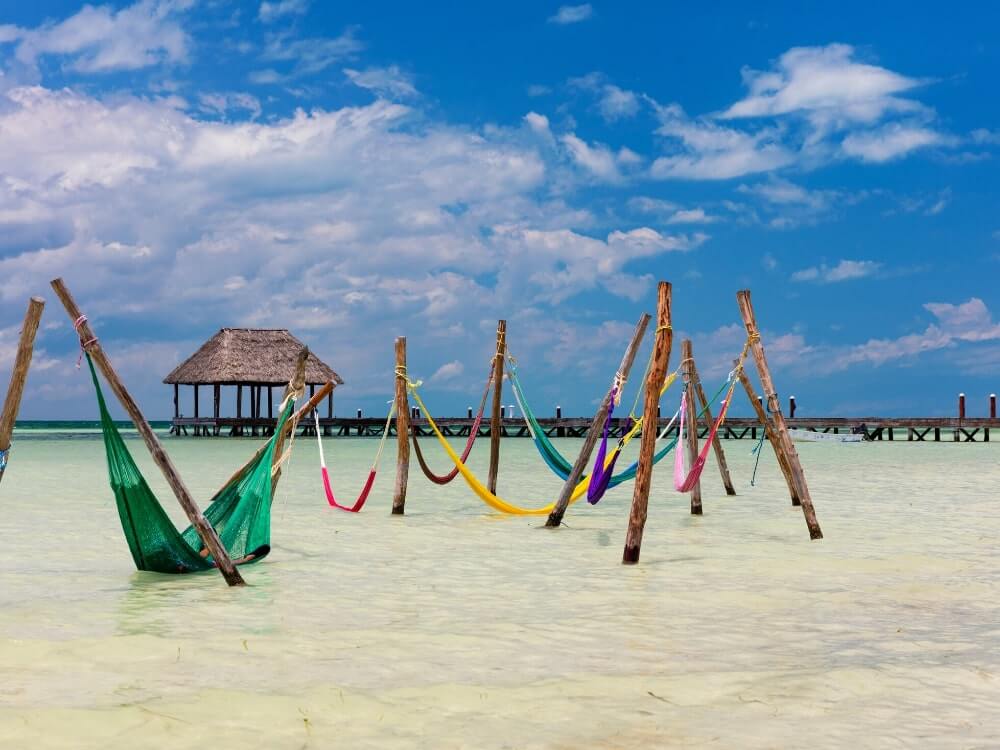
{"x":498,"y":503}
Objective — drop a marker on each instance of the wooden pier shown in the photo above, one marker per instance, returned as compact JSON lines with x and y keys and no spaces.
{"x":906,"y":429}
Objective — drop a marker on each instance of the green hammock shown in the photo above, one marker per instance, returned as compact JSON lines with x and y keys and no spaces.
{"x":240,"y":511}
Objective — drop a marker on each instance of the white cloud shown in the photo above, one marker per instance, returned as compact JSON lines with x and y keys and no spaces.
{"x":823,"y":78}
{"x":599,"y":160}
{"x":705,"y":150}
{"x":390,"y":82}
{"x":305,"y":56}
{"x":272,"y":11}
{"x":447,"y":371}
{"x":538,"y":123}
{"x":100,"y":39}
{"x":984,"y":136}
{"x":890,"y":142}
{"x":845,"y":270}
{"x":613,"y":103}
{"x":223,"y":103}
{"x":692,"y":216}
{"x":568,"y":14}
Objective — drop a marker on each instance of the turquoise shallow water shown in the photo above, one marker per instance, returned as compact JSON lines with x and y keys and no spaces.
{"x":453,"y":627}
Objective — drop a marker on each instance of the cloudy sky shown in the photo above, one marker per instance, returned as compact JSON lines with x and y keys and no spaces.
{"x":360,"y":171}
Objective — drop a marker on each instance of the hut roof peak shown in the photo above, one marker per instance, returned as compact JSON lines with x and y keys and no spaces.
{"x":249,"y":355}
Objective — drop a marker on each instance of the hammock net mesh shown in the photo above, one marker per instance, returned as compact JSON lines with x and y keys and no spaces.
{"x":240,"y":511}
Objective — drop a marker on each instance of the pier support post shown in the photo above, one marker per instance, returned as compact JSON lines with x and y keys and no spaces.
{"x":18,"y":376}
{"x":496,"y":413}
{"x":720,"y":454}
{"x":791,"y":407}
{"x":402,"y":431}
{"x":662,"y":341}
{"x":780,"y":428}
{"x":758,"y":407}
{"x":201,"y":525}
{"x":691,"y":445}
{"x":593,"y":434}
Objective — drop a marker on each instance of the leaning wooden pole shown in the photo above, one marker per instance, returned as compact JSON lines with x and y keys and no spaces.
{"x":402,"y":430}
{"x":691,"y":428}
{"x":663,"y":340}
{"x":297,"y":384}
{"x":706,"y":409}
{"x":18,"y":376}
{"x":774,"y":407}
{"x":201,"y":525}
{"x":770,"y":434}
{"x":496,"y":424}
{"x":596,"y":425}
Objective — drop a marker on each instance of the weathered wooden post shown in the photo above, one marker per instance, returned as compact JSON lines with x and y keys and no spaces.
{"x":496,"y":414}
{"x":402,"y":430}
{"x":296,"y":384}
{"x":468,"y":412}
{"x":758,"y":407}
{"x":961,"y":406}
{"x":720,"y":454}
{"x":780,"y":428}
{"x":662,"y":341}
{"x":791,"y":407}
{"x":691,"y":443}
{"x":18,"y":377}
{"x":590,"y":439}
{"x":993,"y":406}
{"x":205,"y":530}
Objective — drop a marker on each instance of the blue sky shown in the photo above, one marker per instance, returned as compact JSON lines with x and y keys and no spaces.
{"x":358,"y":173}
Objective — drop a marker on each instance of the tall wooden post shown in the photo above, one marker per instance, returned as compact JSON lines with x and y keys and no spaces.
{"x":596,"y":424}
{"x":296,"y":384}
{"x":720,"y":454}
{"x":691,"y":443}
{"x":961,"y":406}
{"x":201,"y":525}
{"x":496,"y":414}
{"x":791,"y":407}
{"x":662,"y":342}
{"x":217,"y":405}
{"x":758,"y":407}
{"x":402,"y":430}
{"x":774,"y":406}
{"x":993,"y":406}
{"x":18,"y":376}
{"x":177,"y":400}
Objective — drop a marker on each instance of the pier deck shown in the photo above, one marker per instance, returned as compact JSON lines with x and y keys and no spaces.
{"x":909,"y":429}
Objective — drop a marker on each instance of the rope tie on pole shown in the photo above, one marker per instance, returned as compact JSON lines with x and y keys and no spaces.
{"x":84,"y":345}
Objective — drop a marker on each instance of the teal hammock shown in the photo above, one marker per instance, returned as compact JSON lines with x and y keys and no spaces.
{"x":557,"y":462}
{"x":240,"y":512}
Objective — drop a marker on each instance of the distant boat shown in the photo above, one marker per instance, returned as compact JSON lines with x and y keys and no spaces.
{"x":808,"y":436}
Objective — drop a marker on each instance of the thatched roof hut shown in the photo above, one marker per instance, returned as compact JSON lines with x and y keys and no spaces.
{"x":258,"y":356}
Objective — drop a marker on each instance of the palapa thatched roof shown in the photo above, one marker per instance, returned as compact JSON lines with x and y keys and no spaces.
{"x":263,"y":356}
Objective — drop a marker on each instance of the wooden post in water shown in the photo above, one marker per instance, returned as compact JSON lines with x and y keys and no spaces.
{"x":496,"y":413}
{"x":590,"y":439}
{"x":993,"y":406}
{"x":758,"y":407}
{"x":18,"y":376}
{"x":402,"y":430}
{"x":691,"y":446}
{"x":201,"y":525}
{"x":296,"y":384}
{"x":791,"y":407}
{"x":663,"y":339}
{"x":780,"y":428}
{"x":720,"y":455}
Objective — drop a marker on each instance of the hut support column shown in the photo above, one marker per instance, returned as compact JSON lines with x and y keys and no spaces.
{"x":720,"y":454}
{"x":205,"y":530}
{"x":496,"y":414}
{"x":402,"y":430}
{"x":197,"y":428}
{"x":590,"y":439}
{"x":18,"y":376}
{"x":774,"y":406}
{"x":758,"y":407}
{"x":692,"y":422}
{"x":662,"y":342}
{"x":216,"y":405}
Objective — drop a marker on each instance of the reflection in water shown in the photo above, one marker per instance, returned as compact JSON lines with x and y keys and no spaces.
{"x":457,"y":627}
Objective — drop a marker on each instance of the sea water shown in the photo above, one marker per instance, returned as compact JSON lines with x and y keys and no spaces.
{"x":456,"y":627}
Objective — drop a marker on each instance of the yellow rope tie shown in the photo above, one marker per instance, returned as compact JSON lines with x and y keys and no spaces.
{"x":667,"y":327}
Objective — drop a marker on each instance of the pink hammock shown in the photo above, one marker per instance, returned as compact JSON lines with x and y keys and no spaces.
{"x":363,"y":497}
{"x":685,"y":481}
